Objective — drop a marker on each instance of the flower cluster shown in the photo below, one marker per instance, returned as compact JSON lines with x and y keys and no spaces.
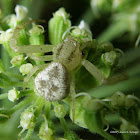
{"x":30,"y":55}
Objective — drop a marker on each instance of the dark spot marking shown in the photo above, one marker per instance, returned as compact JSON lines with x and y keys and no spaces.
{"x":42,"y":83}
{"x":54,"y":88}
{"x":83,"y":54}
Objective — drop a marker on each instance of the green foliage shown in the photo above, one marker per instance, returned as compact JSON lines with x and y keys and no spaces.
{"x":5,"y":81}
{"x":90,"y":105}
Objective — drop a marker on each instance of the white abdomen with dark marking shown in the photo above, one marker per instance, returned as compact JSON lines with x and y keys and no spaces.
{"x":52,"y":83}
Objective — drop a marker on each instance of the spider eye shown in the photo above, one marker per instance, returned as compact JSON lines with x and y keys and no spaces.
{"x":83,"y":54}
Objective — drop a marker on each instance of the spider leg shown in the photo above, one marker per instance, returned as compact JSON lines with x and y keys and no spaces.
{"x":94,"y":71}
{"x":41,"y":58}
{"x":115,"y":79}
{"x":73,"y":94}
{"x":90,"y":44}
{"x":99,"y":75}
{"x":31,"y":73}
{"x":27,"y":48}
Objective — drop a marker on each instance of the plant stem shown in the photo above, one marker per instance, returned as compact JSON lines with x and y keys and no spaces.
{"x":14,"y":75}
{"x":21,"y":104}
{"x":29,"y":133}
{"x":47,"y":109}
{"x":39,"y":104}
{"x":64,"y":124}
{"x":62,"y":120}
{"x":17,"y":84}
{"x":26,"y":93}
{"x":6,"y":61}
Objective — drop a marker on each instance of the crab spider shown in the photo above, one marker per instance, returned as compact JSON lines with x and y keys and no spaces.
{"x":56,"y":79}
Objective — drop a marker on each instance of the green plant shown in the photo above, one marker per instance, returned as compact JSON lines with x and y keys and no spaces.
{"x":100,"y":59}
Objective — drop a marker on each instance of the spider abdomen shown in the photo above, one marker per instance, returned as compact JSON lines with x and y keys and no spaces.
{"x":52,"y":83}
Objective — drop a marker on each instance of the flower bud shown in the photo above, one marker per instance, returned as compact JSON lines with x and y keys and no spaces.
{"x":25,"y":68}
{"x":17,"y":60}
{"x":128,"y":129}
{"x":110,"y":58}
{"x":58,"y":25}
{"x":11,"y":21}
{"x":105,"y":47}
{"x":6,"y":35}
{"x":14,"y":19}
{"x":93,"y":105}
{"x":46,"y":133}
{"x":13,"y":95}
{"x":60,"y":111}
{"x":27,"y":118}
{"x":118,"y":100}
{"x":37,"y":37}
{"x":82,"y":31}
{"x":36,"y":30}
{"x":21,"y":12}
{"x":131,"y":100}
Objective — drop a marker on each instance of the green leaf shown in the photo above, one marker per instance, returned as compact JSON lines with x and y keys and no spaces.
{"x":4,"y":81}
{"x":4,"y":115}
{"x":95,"y":124}
{"x":2,"y":69}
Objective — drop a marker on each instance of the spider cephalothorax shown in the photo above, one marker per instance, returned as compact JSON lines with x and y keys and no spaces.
{"x":68,"y":53}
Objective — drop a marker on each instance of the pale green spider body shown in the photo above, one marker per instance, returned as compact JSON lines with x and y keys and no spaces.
{"x":55,"y":81}
{"x":68,"y":53}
